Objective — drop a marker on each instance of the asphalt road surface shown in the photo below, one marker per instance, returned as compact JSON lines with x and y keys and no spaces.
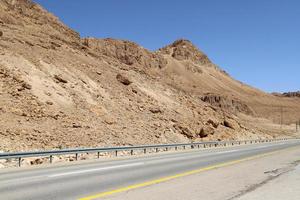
{"x":93,"y":180}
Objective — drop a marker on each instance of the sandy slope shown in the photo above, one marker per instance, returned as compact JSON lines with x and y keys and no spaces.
{"x":59,"y":90}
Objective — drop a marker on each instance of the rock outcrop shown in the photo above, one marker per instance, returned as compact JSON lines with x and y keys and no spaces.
{"x":287,"y":94}
{"x":227,"y":103}
{"x":126,"y":52}
{"x":183,"y":49}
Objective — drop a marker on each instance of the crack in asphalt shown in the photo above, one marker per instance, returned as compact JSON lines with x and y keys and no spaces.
{"x":273,"y":175}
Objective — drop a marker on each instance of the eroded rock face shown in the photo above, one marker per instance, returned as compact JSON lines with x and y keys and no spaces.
{"x":232,"y":105}
{"x":126,"y":52}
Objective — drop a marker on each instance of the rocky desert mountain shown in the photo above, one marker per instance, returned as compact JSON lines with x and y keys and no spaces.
{"x":288,"y":94}
{"x":58,"y":90}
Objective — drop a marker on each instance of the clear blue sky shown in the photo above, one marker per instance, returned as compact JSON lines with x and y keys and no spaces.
{"x":256,"y":41}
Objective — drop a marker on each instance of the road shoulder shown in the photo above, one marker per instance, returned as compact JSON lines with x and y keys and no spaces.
{"x":231,"y":182}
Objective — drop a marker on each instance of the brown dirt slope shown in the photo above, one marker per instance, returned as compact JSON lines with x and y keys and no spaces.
{"x":58,"y":90}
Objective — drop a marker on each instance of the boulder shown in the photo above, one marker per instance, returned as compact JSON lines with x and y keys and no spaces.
{"x":26,"y":86}
{"x":109,"y":121}
{"x":205,"y":131}
{"x":37,"y":161}
{"x":231,"y":124}
{"x":75,"y":125}
{"x":122,"y":79}
{"x":213,"y":122}
{"x":49,"y":102}
{"x":33,"y":161}
{"x":185,"y":131}
{"x":60,"y":79}
{"x":155,"y":110}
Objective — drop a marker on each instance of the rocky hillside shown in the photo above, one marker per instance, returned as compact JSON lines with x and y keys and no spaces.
{"x":288,"y":94}
{"x":58,"y":90}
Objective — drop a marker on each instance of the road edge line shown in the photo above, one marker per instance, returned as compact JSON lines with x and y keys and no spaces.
{"x":168,"y":178}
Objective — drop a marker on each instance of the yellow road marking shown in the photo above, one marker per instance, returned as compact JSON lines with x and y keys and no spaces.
{"x":164,"y":179}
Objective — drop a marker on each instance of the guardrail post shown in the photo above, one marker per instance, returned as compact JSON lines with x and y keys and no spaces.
{"x":98,"y":155}
{"x":145,"y":151}
{"x":131,"y":152}
{"x":116,"y":153}
{"x":184,"y":147}
{"x":76,"y":156}
{"x":198,"y":146}
{"x":167,"y":149}
{"x":19,"y":161}
{"x":156,"y":149}
{"x":51,"y":158}
{"x":176,"y":148}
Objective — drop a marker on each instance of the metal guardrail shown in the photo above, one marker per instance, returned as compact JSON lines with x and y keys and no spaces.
{"x":51,"y":153}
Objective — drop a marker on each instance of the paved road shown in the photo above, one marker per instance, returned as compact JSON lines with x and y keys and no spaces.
{"x":89,"y":178}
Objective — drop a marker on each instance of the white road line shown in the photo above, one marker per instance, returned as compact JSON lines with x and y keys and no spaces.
{"x":96,"y":169}
{"x":134,"y":164}
{"x":19,"y":180}
{"x":149,"y":162}
{"x":266,"y":146}
{"x":222,"y":152}
{"x":188,"y":157}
